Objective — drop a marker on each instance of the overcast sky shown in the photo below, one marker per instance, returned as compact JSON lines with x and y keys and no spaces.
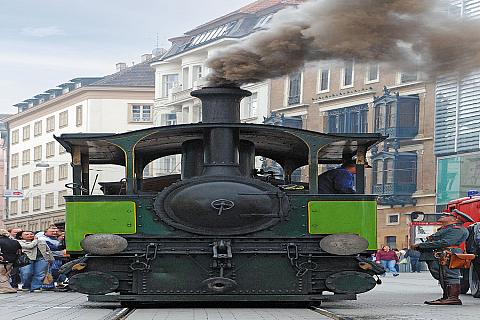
{"x":44,"y":43}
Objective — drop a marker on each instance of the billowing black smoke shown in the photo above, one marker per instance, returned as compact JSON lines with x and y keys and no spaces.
{"x":404,"y":34}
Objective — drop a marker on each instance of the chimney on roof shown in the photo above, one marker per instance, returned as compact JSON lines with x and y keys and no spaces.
{"x":146,"y":56}
{"x":121,"y":66}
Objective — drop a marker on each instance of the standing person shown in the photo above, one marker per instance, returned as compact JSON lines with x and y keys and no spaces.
{"x":15,"y":272}
{"x":414,"y":256}
{"x":9,"y":252}
{"x":57,"y":246}
{"x":40,"y":256}
{"x":397,"y":264}
{"x":339,"y":180}
{"x":448,"y":238}
{"x":388,"y":259}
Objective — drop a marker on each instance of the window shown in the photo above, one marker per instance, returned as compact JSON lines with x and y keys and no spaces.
{"x":49,"y":175}
{"x":50,"y":149}
{"x":26,"y":133}
{"x":26,"y":157}
{"x":393,"y":219}
{"x":25,"y":205}
{"x":49,"y":199}
{"x":394,"y":176}
{"x":391,"y":241}
{"x":397,"y":116}
{"x":50,"y":123}
{"x":406,"y":77}
{"x":171,"y":119}
{"x":323,"y":80}
{"x":251,"y":104}
{"x":37,"y":153}
{"x":15,"y":136}
{"x":63,"y":172}
{"x":211,"y":34}
{"x":14,"y":183}
{"x":373,"y":73}
{"x":63,"y":119}
{"x":168,"y":82}
{"x":294,"y":88}
{"x":79,"y":116}
{"x":26,"y":181}
{"x":263,"y":21}
{"x":186,"y":78}
{"x":141,"y":113}
{"x":197,"y":73}
{"x":61,"y":199}
{"x":61,"y":149}
{"x":347,"y":74}
{"x":37,"y":128}
{"x":14,"y":207}
{"x":37,"y":203}
{"x":37,"y":178}
{"x":15,"y":160}
{"x":348,"y":120}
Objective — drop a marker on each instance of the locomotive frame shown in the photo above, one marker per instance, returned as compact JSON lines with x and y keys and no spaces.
{"x":179,"y":250}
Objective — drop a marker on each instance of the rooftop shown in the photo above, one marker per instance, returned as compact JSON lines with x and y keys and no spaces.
{"x":236,"y":24}
{"x":139,"y":75}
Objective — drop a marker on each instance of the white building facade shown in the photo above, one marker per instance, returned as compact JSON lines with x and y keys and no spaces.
{"x":40,"y":167}
{"x":183,"y":69}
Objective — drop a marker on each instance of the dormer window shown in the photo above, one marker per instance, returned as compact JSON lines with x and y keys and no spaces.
{"x":65,"y":90}
{"x":78,"y":85}
{"x":263,"y":21}
{"x":212,"y":34}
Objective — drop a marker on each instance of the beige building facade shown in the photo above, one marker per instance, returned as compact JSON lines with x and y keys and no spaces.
{"x":39,"y":167}
{"x":348,"y":97}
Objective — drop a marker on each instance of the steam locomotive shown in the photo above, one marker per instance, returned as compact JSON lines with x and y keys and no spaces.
{"x":221,"y":230}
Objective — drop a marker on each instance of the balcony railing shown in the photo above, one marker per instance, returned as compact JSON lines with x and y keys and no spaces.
{"x":292,"y":100}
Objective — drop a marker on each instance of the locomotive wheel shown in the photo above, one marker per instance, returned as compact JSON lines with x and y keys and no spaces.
{"x":474,"y":278}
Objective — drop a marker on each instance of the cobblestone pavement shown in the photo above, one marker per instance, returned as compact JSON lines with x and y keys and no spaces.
{"x":402,"y":298}
{"x":397,"y":298}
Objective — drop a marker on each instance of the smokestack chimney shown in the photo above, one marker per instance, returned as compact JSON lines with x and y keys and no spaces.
{"x":146,"y":56}
{"x":221,"y":145}
{"x":121,"y":66}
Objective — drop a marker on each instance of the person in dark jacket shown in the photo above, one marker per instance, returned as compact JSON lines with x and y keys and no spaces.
{"x":339,"y":180}
{"x":9,"y":252}
{"x":449,"y":237}
{"x":414,"y":256}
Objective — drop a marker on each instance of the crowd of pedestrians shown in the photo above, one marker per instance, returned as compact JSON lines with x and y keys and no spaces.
{"x":392,"y":259}
{"x":31,"y":261}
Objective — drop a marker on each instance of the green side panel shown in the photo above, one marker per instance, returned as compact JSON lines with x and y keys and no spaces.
{"x":357,"y":217}
{"x":84,"y":218}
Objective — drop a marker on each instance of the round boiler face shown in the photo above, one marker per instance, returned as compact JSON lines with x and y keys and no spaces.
{"x":221,"y":207}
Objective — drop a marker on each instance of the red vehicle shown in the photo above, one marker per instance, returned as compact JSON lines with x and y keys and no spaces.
{"x":471,"y":206}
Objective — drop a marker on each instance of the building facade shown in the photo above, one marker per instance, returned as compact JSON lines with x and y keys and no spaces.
{"x":347,"y":97}
{"x":3,"y":162}
{"x":457,"y":125}
{"x":40,"y":168}
{"x":183,"y":69}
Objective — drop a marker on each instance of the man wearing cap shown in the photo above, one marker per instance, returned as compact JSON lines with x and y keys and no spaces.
{"x":338,"y":180}
{"x":449,"y":237}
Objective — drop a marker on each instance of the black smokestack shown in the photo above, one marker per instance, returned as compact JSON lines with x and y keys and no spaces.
{"x":411,"y":35}
{"x":221,"y":145}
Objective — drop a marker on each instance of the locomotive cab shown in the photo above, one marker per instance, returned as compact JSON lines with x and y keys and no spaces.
{"x":219,"y":231}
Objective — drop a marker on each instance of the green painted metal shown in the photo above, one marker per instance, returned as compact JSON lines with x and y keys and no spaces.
{"x":84,"y":218}
{"x":358,"y":217}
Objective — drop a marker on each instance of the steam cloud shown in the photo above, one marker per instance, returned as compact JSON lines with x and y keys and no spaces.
{"x":404,"y":34}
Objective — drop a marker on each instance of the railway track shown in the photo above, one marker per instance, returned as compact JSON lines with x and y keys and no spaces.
{"x":313,"y":313}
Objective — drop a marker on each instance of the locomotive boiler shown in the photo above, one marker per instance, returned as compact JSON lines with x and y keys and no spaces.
{"x":221,"y":230}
